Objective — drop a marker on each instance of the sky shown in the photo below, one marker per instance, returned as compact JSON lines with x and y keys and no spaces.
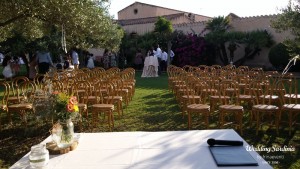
{"x":211,"y":8}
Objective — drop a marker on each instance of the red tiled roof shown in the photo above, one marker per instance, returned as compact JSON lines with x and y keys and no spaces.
{"x":150,"y":5}
{"x":147,"y":20}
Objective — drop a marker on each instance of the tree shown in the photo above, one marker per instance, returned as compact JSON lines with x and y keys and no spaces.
{"x":289,"y":20}
{"x":87,"y":22}
{"x":218,"y":27}
{"x":254,"y":41}
{"x":164,"y":29}
{"x":220,"y":35}
{"x":279,"y":56}
{"x":234,"y":38}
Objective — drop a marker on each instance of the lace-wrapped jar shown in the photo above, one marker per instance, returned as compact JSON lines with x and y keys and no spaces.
{"x":39,"y":156}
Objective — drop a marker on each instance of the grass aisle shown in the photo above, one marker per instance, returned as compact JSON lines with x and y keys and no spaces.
{"x":153,"y":107}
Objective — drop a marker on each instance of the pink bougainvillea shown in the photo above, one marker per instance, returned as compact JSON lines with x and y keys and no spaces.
{"x":190,"y":50}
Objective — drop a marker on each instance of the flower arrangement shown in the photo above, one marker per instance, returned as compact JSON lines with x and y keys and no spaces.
{"x":66,"y":107}
{"x":62,"y":108}
{"x":56,"y":105}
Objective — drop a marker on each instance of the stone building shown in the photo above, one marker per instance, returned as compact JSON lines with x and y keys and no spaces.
{"x":140,"y":18}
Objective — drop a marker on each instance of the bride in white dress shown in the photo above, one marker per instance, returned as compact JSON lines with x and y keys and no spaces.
{"x":90,"y":63}
{"x":150,"y":65}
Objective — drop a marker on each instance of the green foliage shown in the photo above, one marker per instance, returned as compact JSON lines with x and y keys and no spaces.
{"x":164,"y":29}
{"x":163,"y":26}
{"x":219,"y":35}
{"x":87,"y":22}
{"x":218,"y":27}
{"x":279,"y":56}
{"x":131,"y":43}
{"x":254,"y":41}
{"x":218,"y":24}
{"x":258,"y":39}
{"x":289,"y":20}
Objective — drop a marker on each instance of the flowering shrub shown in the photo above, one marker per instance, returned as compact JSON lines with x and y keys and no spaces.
{"x":191,"y":49}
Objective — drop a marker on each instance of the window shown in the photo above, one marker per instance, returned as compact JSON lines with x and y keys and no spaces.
{"x":135,"y":11}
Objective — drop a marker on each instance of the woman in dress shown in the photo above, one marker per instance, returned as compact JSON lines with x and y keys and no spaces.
{"x":138,"y":60}
{"x":7,"y":71}
{"x":150,"y":65}
{"x":106,"y":59}
{"x":90,"y":63}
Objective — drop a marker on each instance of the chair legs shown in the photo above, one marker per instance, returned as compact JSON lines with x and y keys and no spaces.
{"x":206,"y":118}
{"x":110,"y":117}
{"x":292,"y":116}
{"x":259,"y":115}
{"x":238,"y":115}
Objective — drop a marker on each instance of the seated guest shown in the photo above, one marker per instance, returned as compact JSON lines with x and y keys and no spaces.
{"x":59,"y":66}
{"x":66,"y":62}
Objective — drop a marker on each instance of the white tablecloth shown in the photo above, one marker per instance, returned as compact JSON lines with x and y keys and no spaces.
{"x":147,"y":150}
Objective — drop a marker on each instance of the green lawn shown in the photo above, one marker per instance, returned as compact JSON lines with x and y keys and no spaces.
{"x":153,"y":108}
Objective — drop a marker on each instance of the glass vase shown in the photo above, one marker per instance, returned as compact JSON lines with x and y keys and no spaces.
{"x":63,"y":134}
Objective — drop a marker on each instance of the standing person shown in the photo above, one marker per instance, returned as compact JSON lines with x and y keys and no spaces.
{"x":44,"y":61}
{"x":7,"y":71}
{"x":106,"y":59}
{"x":90,"y":62}
{"x":113,"y":62}
{"x":32,"y":68}
{"x":1,"y":57}
{"x":66,"y":62}
{"x":158,"y":54}
{"x":15,"y":65}
{"x":75,"y":58}
{"x":153,"y":51}
{"x":172,"y":54}
{"x":138,"y":61}
{"x":164,"y":59}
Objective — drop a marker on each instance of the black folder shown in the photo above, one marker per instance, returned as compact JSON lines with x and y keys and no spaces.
{"x":232,"y":156}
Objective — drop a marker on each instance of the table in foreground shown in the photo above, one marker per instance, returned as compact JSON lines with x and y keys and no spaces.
{"x":148,"y":150}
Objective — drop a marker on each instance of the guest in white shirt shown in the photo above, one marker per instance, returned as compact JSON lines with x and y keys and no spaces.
{"x":158,"y":55}
{"x":158,"y":52}
{"x":153,"y":51}
{"x":75,"y":59}
{"x":164,"y":59}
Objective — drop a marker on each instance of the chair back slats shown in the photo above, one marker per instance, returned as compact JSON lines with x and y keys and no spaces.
{"x":289,"y":90}
{"x":5,"y":88}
